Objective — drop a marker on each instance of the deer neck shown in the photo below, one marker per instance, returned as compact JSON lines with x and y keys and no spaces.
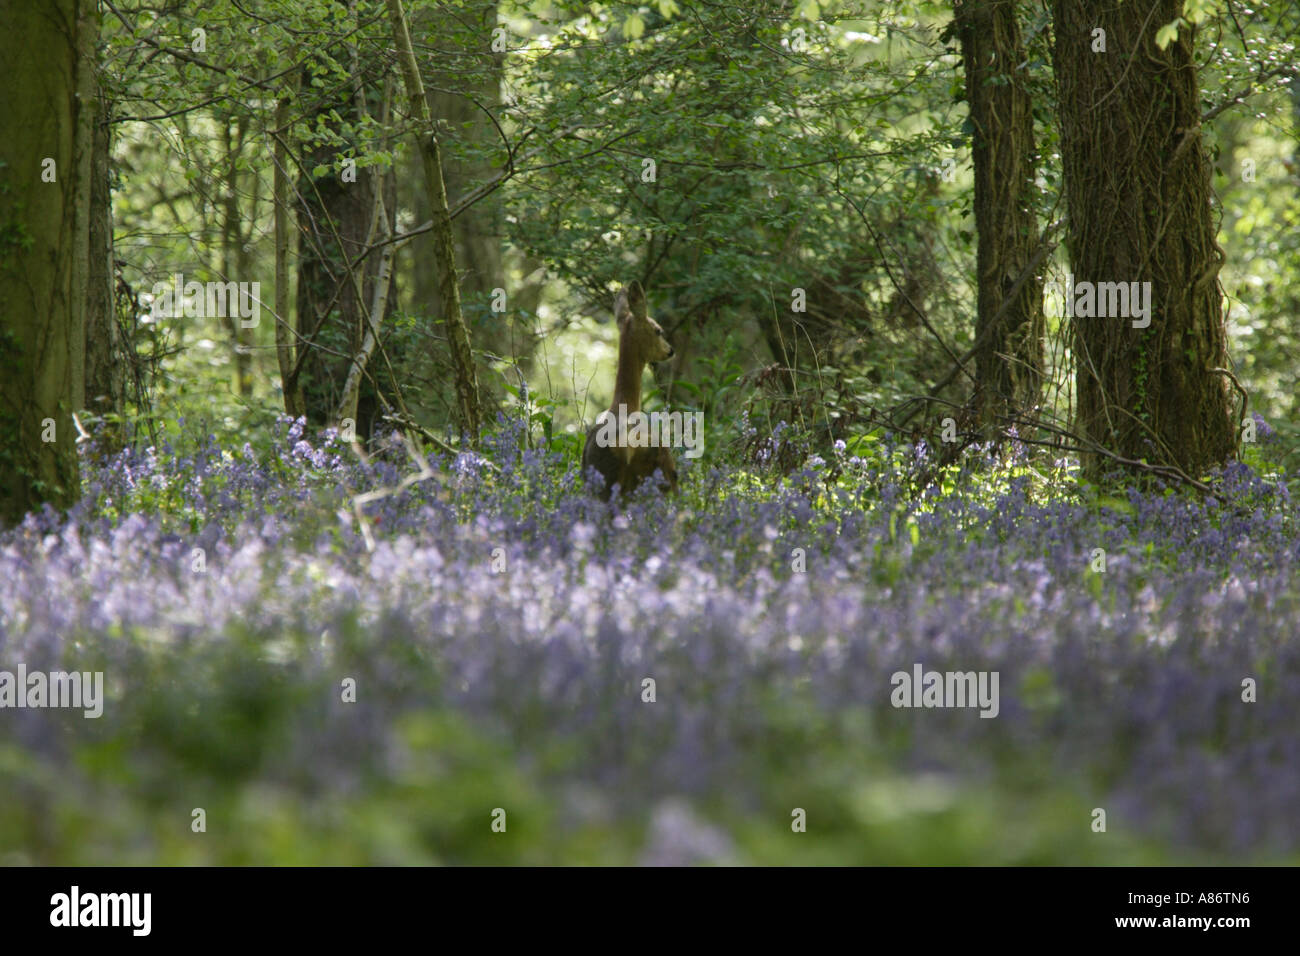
{"x":627,"y":380}
{"x":627,"y":395}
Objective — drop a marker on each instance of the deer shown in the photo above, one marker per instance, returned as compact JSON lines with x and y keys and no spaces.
{"x":640,"y":340}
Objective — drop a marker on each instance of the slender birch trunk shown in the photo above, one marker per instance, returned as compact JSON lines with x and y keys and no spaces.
{"x":444,"y":244}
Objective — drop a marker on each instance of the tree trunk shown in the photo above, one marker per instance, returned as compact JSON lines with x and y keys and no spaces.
{"x":48,"y":50}
{"x":378,"y":307}
{"x":1137,"y":188}
{"x":335,"y":220}
{"x":286,"y":342}
{"x":455,"y":97}
{"x":444,"y":242}
{"x":234,"y":258}
{"x":106,"y":358}
{"x":1009,"y":365}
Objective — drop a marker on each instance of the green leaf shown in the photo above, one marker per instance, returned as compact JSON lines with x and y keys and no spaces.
{"x":1168,"y":33}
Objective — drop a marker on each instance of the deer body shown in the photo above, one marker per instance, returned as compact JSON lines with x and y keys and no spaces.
{"x":640,"y":340}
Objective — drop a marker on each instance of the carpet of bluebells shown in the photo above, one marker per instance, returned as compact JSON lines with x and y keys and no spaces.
{"x":499,"y":625}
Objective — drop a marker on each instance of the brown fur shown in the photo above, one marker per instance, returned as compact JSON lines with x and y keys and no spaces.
{"x":640,"y":340}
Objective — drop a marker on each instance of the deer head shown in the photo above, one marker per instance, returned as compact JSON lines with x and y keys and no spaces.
{"x":637,"y":332}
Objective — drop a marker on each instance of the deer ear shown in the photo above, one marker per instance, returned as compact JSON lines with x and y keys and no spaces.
{"x":635,"y":297}
{"x":621,"y":311}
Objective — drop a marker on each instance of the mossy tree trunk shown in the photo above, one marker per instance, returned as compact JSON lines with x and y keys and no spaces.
{"x":1140,"y":209}
{"x":1009,"y":363}
{"x":46,"y":126}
